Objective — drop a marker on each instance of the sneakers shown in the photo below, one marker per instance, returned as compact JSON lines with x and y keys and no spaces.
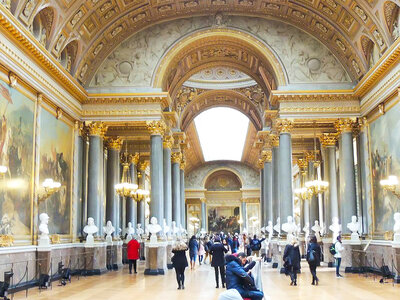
{"x":339,"y":276}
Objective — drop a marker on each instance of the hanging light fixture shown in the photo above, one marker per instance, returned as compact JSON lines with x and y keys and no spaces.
{"x":125,"y":188}
{"x":139,"y":194}
{"x":316,"y":186}
{"x":50,"y":187}
{"x":390,"y":184}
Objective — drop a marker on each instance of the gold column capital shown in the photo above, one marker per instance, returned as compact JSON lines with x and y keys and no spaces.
{"x":328,"y":139}
{"x":176,"y":157}
{"x":274,"y":140}
{"x":311,"y":156}
{"x":142,"y":166}
{"x":182,"y":165}
{"x":203,"y":200}
{"x":96,"y":128}
{"x":114,"y":143}
{"x":284,"y":125}
{"x":260,"y":163}
{"x":156,"y":127}
{"x":266,"y":155}
{"x":135,"y":158}
{"x":126,"y":158}
{"x":363,"y":123}
{"x":168,"y":141}
{"x":344,"y":125}
{"x":79,"y":128}
{"x":303,"y":164}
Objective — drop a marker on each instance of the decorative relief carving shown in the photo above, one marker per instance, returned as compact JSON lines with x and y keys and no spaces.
{"x":114,"y":143}
{"x":344,"y":125}
{"x":29,"y":7}
{"x":283,"y":125}
{"x":328,"y":139}
{"x":176,"y":157}
{"x":96,"y":128}
{"x":77,"y":17}
{"x":361,"y":13}
{"x":156,"y":127}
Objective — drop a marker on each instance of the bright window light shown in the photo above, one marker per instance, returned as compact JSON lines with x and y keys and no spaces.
{"x":222,"y":132}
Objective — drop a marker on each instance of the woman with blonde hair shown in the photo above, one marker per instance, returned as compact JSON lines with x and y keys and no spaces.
{"x":179,"y":261}
{"x":292,"y":258}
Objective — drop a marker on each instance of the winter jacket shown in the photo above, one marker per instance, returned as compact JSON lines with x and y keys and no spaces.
{"x":132,"y":249}
{"x":218,"y":251}
{"x":255,"y":244}
{"x":193,"y":247}
{"x":235,"y":245}
{"x":338,"y":248}
{"x":292,"y":257}
{"x":179,"y":259}
{"x":236,"y":276}
{"x":317,"y":254}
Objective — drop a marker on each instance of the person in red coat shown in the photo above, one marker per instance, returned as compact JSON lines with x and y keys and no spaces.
{"x":133,"y":248}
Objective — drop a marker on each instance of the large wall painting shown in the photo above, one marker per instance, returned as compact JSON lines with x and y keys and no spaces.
{"x":16,"y":153}
{"x":385,"y":160}
{"x":224,"y":219}
{"x":56,"y":163}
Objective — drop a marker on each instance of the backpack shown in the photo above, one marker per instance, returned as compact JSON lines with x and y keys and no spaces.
{"x":332,"y":249}
{"x":311,"y":255}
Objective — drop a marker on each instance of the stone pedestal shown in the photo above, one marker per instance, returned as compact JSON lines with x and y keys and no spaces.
{"x":118,"y":250}
{"x":353,"y":257}
{"x":114,"y":256}
{"x":142,"y":251}
{"x":328,"y":257}
{"x":156,"y":259}
{"x":281,"y":248}
{"x":169,"y":254}
{"x":43,"y":260}
{"x":302,"y":247}
{"x":124,"y":253}
{"x":95,"y":259}
{"x":396,"y":261}
{"x":275,"y":254}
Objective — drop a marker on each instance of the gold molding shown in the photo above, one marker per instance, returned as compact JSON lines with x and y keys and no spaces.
{"x":129,"y":98}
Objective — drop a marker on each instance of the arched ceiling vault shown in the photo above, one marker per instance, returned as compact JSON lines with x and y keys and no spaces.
{"x":101,"y":25}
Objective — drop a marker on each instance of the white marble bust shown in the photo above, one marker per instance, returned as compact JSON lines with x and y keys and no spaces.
{"x":277,"y":226}
{"x":317,"y":230}
{"x":109,"y":230}
{"x":44,"y":239}
{"x":289,"y":227}
{"x":130,"y":231}
{"x":354,"y":227}
{"x":166,"y":229}
{"x":336,"y":228}
{"x":270,"y":229}
{"x":90,"y":229}
{"x":139,"y":232}
{"x":396,"y":229}
{"x":154,"y":228}
{"x":306,"y":230}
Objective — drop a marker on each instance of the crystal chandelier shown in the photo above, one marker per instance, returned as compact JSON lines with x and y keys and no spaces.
{"x":303,"y":193}
{"x":390,"y":184}
{"x":125,"y":188}
{"x":140,"y":194}
{"x":50,"y":187}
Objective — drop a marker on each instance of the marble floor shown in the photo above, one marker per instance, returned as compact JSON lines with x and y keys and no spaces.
{"x":200,"y":285}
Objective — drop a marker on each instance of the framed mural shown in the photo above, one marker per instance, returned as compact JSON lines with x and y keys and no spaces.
{"x":385,"y":160}
{"x":56,"y":157}
{"x":224,"y":218}
{"x":16,"y":153}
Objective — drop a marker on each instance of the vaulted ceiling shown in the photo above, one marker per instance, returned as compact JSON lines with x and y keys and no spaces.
{"x":82,"y":33}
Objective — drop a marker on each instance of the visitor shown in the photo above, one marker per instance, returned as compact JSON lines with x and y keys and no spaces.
{"x":132,"y":253}
{"x":201,"y":251}
{"x":313,"y":258}
{"x":207,"y":247}
{"x":179,"y":262}
{"x":193,"y":251}
{"x":237,"y":277}
{"x":218,"y":251}
{"x":292,"y":258}
{"x":229,"y":241}
{"x":338,"y":255}
{"x":235,"y":244}
{"x":255,"y":245}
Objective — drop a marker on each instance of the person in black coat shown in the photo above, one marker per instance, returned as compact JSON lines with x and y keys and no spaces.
{"x":179,"y":261}
{"x":292,"y":258}
{"x":218,"y":251}
{"x":313,"y":258}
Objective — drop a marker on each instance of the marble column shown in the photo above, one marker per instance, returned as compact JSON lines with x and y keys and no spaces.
{"x":113,"y":178}
{"x":203,"y":214}
{"x":285,"y":169}
{"x":313,"y":202}
{"x":365,"y":172}
{"x":182,"y":193}
{"x":304,"y":208}
{"x":176,"y":158}
{"x":262,"y":209}
{"x":275,"y":178}
{"x":78,"y":175}
{"x":167,"y":144}
{"x":96,"y":133}
{"x":85,"y":161}
{"x":131,"y":205}
{"x":244,"y":214}
{"x":267,"y":182}
{"x":141,"y":205}
{"x":348,"y":200}
{"x":156,"y":129}
{"x":328,"y":141}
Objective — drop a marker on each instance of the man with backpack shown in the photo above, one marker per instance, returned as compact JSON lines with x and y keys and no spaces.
{"x":313,"y":258}
{"x":255,"y":245}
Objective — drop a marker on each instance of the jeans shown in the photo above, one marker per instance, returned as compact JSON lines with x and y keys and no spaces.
{"x":222,"y":272}
{"x":180,"y":276}
{"x":253,"y":295}
{"x":132,"y":262}
{"x":313,"y":270}
{"x":338,"y":262}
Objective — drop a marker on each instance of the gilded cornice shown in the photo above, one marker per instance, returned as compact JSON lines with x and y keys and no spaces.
{"x":14,"y":29}
{"x":96,"y":128}
{"x":114,"y":143}
{"x":345,"y":125}
{"x":328,"y":139}
{"x":168,"y":141}
{"x":129,"y":98}
{"x":283,"y":125}
{"x":278,"y":97}
{"x":156,"y":127}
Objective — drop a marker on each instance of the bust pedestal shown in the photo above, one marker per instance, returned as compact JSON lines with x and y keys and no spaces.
{"x":114,"y":255}
{"x":328,"y":257}
{"x":353,"y":256}
{"x":156,"y":258}
{"x":95,"y":258}
{"x":396,"y":261}
{"x":169,"y":254}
